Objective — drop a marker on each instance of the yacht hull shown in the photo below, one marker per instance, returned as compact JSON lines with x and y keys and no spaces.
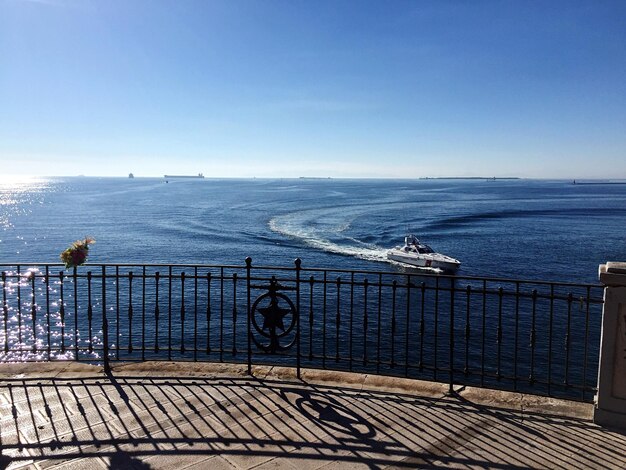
{"x":433,"y":261}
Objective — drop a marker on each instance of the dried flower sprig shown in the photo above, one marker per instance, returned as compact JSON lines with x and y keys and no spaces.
{"x":77,"y":253}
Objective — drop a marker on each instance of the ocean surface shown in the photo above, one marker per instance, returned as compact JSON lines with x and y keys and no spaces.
{"x":524,"y":229}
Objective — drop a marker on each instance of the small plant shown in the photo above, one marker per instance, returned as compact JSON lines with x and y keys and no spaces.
{"x":77,"y":253}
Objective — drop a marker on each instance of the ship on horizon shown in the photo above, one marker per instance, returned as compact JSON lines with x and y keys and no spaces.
{"x":199,"y":175}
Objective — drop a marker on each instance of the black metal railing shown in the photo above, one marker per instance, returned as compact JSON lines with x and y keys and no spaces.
{"x":530,"y":336}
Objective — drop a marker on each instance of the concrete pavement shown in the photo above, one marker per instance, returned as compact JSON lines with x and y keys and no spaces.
{"x":214,"y":416}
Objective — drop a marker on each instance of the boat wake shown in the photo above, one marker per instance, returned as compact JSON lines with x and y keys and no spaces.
{"x":324,"y":230}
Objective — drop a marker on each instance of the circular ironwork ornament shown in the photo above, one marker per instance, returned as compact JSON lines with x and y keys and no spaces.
{"x":277,"y":320}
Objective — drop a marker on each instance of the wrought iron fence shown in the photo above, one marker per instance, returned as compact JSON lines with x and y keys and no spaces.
{"x":532,"y":336}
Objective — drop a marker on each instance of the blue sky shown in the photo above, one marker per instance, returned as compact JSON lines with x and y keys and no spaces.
{"x":313,"y":88}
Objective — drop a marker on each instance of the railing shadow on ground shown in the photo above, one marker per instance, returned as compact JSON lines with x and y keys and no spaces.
{"x":144,"y":421}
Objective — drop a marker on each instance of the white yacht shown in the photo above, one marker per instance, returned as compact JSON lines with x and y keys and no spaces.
{"x":418,"y":254}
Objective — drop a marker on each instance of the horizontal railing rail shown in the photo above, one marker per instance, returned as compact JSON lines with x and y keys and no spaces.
{"x":531,"y":336}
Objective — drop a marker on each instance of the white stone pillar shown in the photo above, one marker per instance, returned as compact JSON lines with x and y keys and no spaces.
{"x":610,"y":409}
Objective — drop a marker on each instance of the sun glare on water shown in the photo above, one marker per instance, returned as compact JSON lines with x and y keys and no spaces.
{"x":14,"y":181}
{"x":14,"y":190}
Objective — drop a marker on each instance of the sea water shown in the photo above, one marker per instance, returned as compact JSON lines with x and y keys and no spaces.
{"x":523,"y":229}
{"x":520,"y":229}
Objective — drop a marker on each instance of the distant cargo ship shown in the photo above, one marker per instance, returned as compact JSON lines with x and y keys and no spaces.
{"x":199,"y":175}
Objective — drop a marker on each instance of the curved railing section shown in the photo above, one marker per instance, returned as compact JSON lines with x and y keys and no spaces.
{"x":521,"y":335}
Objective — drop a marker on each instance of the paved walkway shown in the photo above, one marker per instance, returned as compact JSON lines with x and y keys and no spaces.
{"x":206,"y":416}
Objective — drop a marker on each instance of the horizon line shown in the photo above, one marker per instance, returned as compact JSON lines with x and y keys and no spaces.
{"x":162,"y":177}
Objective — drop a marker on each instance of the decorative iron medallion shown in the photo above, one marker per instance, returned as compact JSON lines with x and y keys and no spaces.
{"x":273,"y":316}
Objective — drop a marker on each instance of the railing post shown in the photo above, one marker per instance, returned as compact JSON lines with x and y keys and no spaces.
{"x":248,"y":269}
{"x":610,"y":406}
{"x":298,"y":264}
{"x":451,"y":378}
{"x":105,"y":325}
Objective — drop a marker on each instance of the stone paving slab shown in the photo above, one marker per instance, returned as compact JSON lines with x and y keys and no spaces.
{"x":214,"y":416}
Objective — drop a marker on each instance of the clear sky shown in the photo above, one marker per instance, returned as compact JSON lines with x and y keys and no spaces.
{"x":313,"y":88}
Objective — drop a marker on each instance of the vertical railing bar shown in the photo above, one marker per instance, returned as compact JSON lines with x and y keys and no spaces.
{"x":249,"y":312}
{"x":499,"y":333}
{"x":338,"y":317}
{"x":169,"y":314}
{"x":531,"y":378}
{"x":105,"y":324}
{"x":208,"y":313}
{"x":234,"y":351}
{"x":567,"y":336}
{"x":436,"y":352}
{"x":62,"y":310}
{"x":19,"y":306}
{"x":75,"y":279}
{"x":130,"y":312}
{"x":408,"y":323}
{"x":451,"y":377}
{"x":351,"y":317}
{"x":516,"y":346}
{"x":550,"y":325}
{"x":311,"y":281}
{"x":394,"y":288}
{"x":222,"y":314}
{"x":157,"y":312}
{"x":483,"y":335}
{"x":195,"y":313}
{"x":584,"y":384}
{"x":365,"y":325}
{"x":48,"y":311}
{"x":467,"y":328}
{"x":89,"y":312}
{"x":422,"y":323}
{"x":378,"y":339}
{"x":117,"y":313}
{"x":324,"y":309}
{"x":5,"y":311}
{"x":298,"y":263}
{"x":143,"y":313}
{"x":33,"y":309}
{"x":182,"y":313}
